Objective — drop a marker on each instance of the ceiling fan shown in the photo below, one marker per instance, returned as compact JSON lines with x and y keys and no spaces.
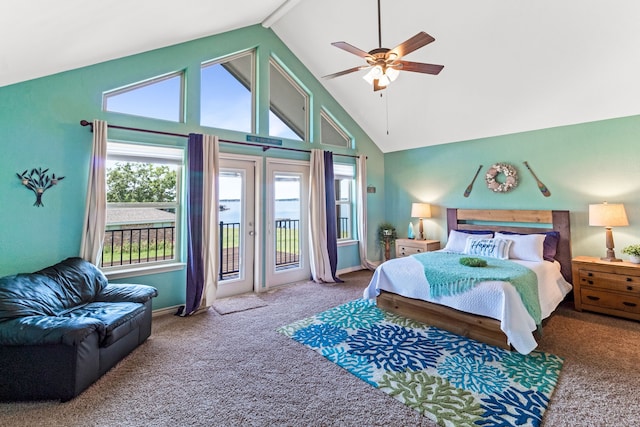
{"x":385,"y":64}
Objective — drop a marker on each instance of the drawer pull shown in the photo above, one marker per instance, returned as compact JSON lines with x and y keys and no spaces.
{"x":590,"y":282}
{"x":629,"y":279}
{"x":592,"y":298}
{"x":629,"y":304}
{"x":629,"y":288}
{"x":419,"y":250}
{"x":590,"y":274}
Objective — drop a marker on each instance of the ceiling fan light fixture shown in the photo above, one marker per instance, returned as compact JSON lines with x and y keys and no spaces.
{"x":392,"y":73}
{"x":384,"y":81}
{"x":373,"y":74}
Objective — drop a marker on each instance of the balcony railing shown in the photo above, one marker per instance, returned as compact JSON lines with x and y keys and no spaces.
{"x":138,"y":245}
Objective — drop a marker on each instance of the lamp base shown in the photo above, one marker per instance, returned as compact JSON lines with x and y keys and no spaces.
{"x":610,"y":259}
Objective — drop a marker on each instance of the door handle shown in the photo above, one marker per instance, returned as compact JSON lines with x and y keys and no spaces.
{"x":252,"y":233}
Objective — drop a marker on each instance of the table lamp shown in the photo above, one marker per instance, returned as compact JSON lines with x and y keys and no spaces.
{"x":608,"y":215}
{"x":421,"y":210}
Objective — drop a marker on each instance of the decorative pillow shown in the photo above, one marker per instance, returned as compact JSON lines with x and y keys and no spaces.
{"x":551,"y":240}
{"x":493,"y":248}
{"x":527,"y":247}
{"x":458,"y":239}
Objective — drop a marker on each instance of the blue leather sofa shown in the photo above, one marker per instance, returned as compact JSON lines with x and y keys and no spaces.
{"x":63,"y":327}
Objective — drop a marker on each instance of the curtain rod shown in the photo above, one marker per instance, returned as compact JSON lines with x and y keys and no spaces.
{"x":250,"y":144}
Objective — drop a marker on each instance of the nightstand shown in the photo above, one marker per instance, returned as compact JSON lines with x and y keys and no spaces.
{"x":606,"y":287}
{"x":406,"y":247}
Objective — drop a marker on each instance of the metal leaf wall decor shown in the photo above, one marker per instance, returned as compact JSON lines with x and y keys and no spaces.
{"x":38,"y":181}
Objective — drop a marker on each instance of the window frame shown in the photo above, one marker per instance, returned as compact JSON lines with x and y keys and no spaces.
{"x":149,"y":82}
{"x":325,"y":115}
{"x":157,"y":154}
{"x":252,"y":89}
{"x":295,"y":84}
{"x":350,"y":202}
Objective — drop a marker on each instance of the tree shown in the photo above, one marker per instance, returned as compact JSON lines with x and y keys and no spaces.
{"x":140,"y":182}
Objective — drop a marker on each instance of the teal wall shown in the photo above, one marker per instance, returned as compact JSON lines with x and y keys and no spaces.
{"x":580,"y":164}
{"x":39,"y":127}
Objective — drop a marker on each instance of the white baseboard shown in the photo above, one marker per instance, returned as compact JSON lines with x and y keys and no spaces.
{"x":165,"y":310}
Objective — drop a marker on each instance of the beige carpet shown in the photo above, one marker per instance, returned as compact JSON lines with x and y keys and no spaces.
{"x":235,"y":370}
{"x":236,"y":304}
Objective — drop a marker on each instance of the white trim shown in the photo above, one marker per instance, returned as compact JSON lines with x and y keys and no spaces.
{"x":136,"y":271}
{"x":280,"y":12}
{"x":349,"y":270}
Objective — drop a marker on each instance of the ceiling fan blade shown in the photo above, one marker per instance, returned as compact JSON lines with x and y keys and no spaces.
{"x":351,"y":49}
{"x":415,"y":42}
{"x":419,"y":67}
{"x":343,"y":72}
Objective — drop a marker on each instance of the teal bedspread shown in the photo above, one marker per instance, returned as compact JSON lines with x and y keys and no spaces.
{"x":446,"y":276}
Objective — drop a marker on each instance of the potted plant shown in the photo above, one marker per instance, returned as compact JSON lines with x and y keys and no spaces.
{"x":387,"y":235}
{"x":634,"y":253}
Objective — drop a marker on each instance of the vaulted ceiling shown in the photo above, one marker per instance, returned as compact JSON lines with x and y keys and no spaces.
{"x":510,"y":66}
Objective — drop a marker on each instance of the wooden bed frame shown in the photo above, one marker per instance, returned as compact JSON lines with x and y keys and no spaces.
{"x":482,"y":328}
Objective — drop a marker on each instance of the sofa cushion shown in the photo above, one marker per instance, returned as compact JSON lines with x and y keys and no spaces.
{"x":119,"y":318}
{"x":79,"y":281}
{"x":28,"y":295}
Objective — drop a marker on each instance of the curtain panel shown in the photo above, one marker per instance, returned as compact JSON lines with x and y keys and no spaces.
{"x":361,"y":196}
{"x":323,"y":247}
{"x":202,"y":216}
{"x":95,"y":214}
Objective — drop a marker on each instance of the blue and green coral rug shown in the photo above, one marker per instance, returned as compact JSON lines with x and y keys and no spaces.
{"x":453,"y":380}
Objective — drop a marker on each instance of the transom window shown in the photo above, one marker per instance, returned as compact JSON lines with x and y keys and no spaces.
{"x":288,"y":104}
{"x":158,"y":98}
{"x":143,"y":205}
{"x":226,"y":93}
{"x":331,"y":133}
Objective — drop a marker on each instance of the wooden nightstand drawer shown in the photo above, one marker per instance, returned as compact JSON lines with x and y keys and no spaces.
{"x":600,"y":299}
{"x":614,"y":282}
{"x":606,"y":287}
{"x":406,"y":247}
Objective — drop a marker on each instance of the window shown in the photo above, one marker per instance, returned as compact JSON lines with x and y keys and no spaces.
{"x":344,"y":182}
{"x":288,"y":103}
{"x":158,"y":98}
{"x":226,"y":93}
{"x":331,"y":133}
{"x":143,"y":205}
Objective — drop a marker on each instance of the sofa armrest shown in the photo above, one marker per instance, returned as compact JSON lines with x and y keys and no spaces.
{"x":37,"y":330}
{"x":126,"y":293}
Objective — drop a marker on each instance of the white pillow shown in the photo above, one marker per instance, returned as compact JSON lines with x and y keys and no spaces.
{"x":527,"y":247}
{"x":494,"y":248}
{"x":457,"y":240}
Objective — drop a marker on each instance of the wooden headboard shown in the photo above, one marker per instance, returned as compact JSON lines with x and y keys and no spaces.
{"x":519,"y":221}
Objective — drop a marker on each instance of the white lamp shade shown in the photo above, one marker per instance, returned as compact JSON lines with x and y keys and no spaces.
{"x":420,"y":210}
{"x":392,"y":73}
{"x":607,"y":215}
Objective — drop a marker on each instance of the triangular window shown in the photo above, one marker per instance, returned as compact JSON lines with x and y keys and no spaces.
{"x":288,"y":105}
{"x":226,"y":93}
{"x":331,"y":133}
{"x":157,"y":98}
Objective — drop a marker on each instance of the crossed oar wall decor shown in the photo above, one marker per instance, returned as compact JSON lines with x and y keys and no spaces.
{"x":543,"y":188}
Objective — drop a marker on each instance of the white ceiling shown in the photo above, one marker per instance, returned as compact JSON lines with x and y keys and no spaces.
{"x":510,"y":66}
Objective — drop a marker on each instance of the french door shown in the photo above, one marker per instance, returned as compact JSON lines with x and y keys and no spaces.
{"x":287,"y":222}
{"x":237,"y":226}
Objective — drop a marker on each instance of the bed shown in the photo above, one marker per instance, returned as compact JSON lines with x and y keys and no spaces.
{"x":491,"y":312}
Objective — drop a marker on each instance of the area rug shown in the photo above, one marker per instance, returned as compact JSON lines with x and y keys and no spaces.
{"x":238,"y":303}
{"x":453,"y":380}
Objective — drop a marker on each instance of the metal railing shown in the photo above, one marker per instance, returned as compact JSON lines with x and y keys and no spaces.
{"x":287,"y":243}
{"x":229,"y":250}
{"x":138,"y":245}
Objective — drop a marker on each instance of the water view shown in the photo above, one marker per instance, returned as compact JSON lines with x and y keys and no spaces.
{"x":285,"y":209}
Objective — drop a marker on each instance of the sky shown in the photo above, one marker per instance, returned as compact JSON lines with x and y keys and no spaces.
{"x":225,"y":103}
